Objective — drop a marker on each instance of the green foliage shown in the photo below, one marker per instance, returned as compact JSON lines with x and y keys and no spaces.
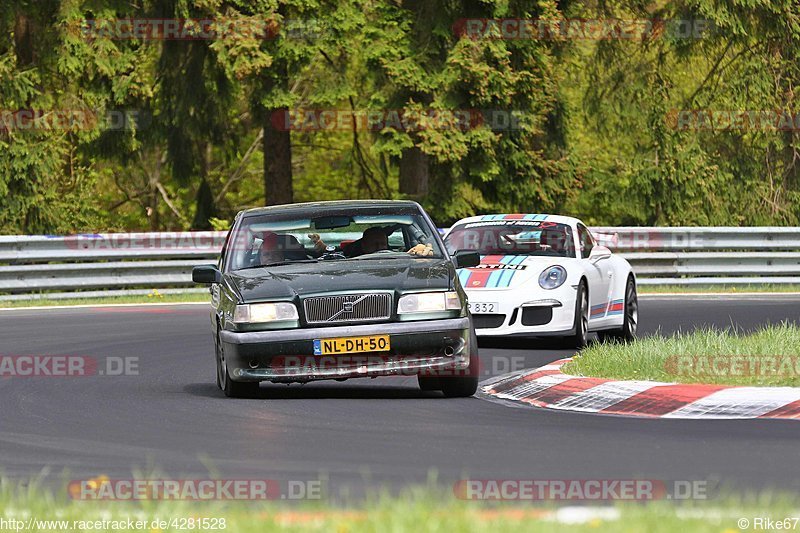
{"x":598,"y":134}
{"x":218,"y":224}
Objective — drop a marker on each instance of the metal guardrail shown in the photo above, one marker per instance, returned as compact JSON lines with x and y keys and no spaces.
{"x":103,"y":264}
{"x":708,"y":255}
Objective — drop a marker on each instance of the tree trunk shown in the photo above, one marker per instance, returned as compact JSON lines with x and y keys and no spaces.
{"x":23,"y":40}
{"x":277,"y":144}
{"x":414,"y":172}
{"x":204,"y":201}
{"x":205,"y":207}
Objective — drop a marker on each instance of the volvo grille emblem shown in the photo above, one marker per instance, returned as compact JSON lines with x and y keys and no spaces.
{"x":347,"y":307}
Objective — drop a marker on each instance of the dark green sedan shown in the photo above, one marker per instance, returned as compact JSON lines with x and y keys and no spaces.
{"x":340,"y":290}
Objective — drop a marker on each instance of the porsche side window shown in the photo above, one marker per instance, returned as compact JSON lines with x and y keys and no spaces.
{"x":586,"y":240}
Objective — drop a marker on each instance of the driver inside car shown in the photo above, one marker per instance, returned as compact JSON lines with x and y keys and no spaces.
{"x":374,"y":239}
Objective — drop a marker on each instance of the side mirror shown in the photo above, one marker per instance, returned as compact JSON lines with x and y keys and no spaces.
{"x":600,"y":252}
{"x":206,"y":274}
{"x":466,"y":259}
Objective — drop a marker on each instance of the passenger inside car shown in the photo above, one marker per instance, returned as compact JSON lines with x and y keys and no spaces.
{"x":554,"y":241}
{"x":269,"y":251}
{"x":276,"y":248}
{"x":374,"y":239}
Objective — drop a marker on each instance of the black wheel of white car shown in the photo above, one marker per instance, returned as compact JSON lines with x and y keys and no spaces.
{"x":581,"y":325}
{"x":631,"y":313}
{"x":467,"y":385}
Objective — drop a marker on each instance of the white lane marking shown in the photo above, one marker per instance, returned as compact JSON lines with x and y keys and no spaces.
{"x":738,"y":402}
{"x":603,"y":395}
{"x":549,"y":367}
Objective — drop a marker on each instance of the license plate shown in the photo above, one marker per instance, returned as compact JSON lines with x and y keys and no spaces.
{"x":483,"y":307}
{"x":344,"y":345}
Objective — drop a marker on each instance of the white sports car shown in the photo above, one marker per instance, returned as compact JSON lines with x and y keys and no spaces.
{"x":544,"y":275}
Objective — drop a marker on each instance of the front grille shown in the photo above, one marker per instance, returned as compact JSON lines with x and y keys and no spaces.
{"x":488,"y":321}
{"x":536,"y":316}
{"x":348,"y":308}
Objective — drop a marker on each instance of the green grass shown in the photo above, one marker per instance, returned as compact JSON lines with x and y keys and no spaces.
{"x":729,"y":289}
{"x":155,"y":298}
{"x":702,"y":356}
{"x":415,"y":510}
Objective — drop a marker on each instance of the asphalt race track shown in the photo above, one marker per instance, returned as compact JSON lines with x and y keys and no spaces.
{"x":358,"y":434}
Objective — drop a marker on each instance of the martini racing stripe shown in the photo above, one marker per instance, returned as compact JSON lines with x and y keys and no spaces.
{"x":477,"y":279}
{"x":488,"y":277}
{"x":614,"y":307}
{"x":514,"y":216}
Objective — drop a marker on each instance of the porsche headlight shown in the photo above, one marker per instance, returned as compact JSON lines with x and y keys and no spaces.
{"x":428,"y":302}
{"x":261,"y":313}
{"x":552,"y":277}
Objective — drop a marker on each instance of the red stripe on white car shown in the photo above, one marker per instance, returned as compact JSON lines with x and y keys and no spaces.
{"x":550,"y":388}
{"x":478,"y":278}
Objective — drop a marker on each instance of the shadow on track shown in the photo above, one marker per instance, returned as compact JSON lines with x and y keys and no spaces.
{"x":320,"y":391}
{"x":523,"y":343}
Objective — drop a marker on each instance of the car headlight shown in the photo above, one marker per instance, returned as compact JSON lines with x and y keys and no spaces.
{"x":552,"y":277}
{"x":260,"y":313}
{"x":428,"y":302}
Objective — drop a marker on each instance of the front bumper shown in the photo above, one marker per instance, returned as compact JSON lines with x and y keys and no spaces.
{"x":427,"y":347}
{"x":555,"y":317}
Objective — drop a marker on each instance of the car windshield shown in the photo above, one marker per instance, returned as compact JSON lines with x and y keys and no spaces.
{"x":513,"y":237}
{"x":352,"y":233}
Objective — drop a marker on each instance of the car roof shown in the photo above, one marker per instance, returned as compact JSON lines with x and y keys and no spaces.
{"x":332,"y":204}
{"x":559,"y":219}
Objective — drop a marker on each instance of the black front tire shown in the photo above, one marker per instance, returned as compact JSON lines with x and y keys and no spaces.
{"x":235,"y":389}
{"x":579,"y":338}
{"x":239,"y":389}
{"x":218,"y":362}
{"x":428,"y":383}
{"x":464,"y":386}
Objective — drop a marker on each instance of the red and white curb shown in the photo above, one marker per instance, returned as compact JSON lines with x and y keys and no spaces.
{"x":548,"y":387}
